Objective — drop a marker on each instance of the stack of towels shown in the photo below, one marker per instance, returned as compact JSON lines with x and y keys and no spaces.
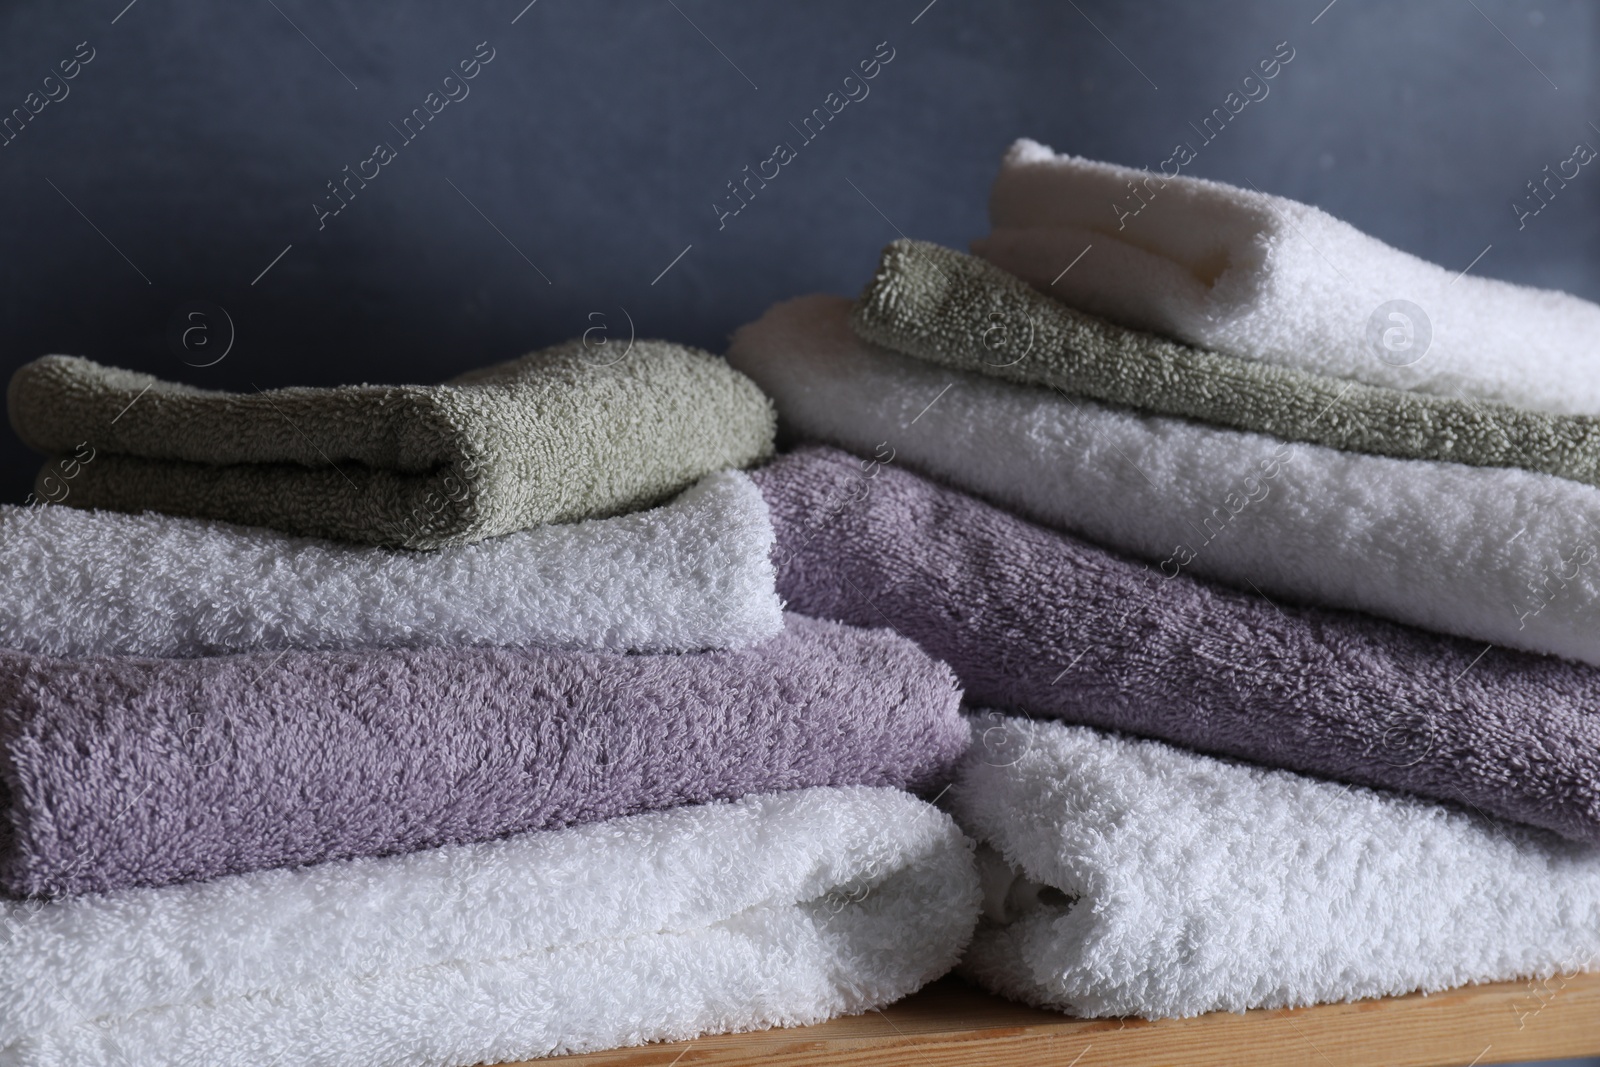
{"x":431,"y":725}
{"x":443,"y":725}
{"x":1268,"y":558}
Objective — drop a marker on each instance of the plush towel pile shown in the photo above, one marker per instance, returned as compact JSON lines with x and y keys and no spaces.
{"x":536,"y":765}
{"x":775,"y":910}
{"x":691,"y":574}
{"x":1495,"y":554}
{"x":1038,"y":622}
{"x":1269,"y":279}
{"x":962,"y":312}
{"x":127,"y":772}
{"x":1316,"y":450}
{"x":539,"y":765}
{"x":552,"y":437}
{"x":1131,"y":878}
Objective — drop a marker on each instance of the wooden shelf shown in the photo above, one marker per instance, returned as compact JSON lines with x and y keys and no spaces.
{"x":950,"y":1024}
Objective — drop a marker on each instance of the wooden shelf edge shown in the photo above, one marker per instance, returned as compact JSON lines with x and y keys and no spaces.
{"x":950,"y":1024}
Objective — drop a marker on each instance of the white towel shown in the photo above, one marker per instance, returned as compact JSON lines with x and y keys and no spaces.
{"x":692,"y":574}
{"x":1271,"y":279}
{"x":783,"y":909}
{"x":1139,"y":879}
{"x":1495,"y":554}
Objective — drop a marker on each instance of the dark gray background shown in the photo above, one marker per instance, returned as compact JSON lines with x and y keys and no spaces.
{"x":200,"y":136}
{"x":596,"y":142}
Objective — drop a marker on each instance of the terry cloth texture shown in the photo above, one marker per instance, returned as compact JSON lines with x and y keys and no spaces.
{"x":1040,"y":622}
{"x":692,"y":574}
{"x":1492,"y":553}
{"x":551,"y":437}
{"x":776,"y":910}
{"x":1156,"y":882}
{"x":126,"y":772}
{"x":963,"y":312}
{"x":1266,"y":278}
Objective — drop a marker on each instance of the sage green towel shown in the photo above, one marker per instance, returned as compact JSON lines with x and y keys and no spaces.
{"x":959,"y":311}
{"x":552,"y":437}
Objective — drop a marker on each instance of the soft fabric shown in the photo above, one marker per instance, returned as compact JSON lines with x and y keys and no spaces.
{"x":1266,"y":278}
{"x":776,"y":910}
{"x":1150,"y":881}
{"x":124,"y":772}
{"x":963,"y":312}
{"x":692,"y":574}
{"x":552,"y":437}
{"x":1034,"y":620}
{"x":1496,"y":554}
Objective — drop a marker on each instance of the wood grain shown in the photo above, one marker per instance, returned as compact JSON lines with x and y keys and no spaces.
{"x":951,"y":1025}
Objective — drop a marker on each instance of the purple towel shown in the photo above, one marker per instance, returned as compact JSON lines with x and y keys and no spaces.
{"x":1038,"y":621}
{"x":124,"y":772}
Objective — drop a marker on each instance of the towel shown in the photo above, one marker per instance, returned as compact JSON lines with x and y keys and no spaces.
{"x":1036,"y":621}
{"x":776,"y":910}
{"x":963,"y":312}
{"x":692,"y":574}
{"x":1491,"y":553}
{"x":1270,"y":279}
{"x":138,"y":772}
{"x":551,"y":437}
{"x":1132,"y":878}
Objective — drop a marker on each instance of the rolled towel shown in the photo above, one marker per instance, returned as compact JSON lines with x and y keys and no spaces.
{"x":1033,"y":620}
{"x":1138,"y":879}
{"x":1270,"y":279}
{"x":776,"y":910}
{"x":691,"y":574}
{"x":130,"y":772}
{"x":962,"y":312}
{"x":552,"y":437}
{"x":1495,"y":554}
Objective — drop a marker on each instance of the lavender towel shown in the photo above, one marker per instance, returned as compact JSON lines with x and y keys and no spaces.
{"x":1038,"y":621}
{"x":141,"y":772}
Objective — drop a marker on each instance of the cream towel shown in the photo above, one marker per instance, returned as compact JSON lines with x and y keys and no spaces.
{"x":1259,"y":276}
{"x":1492,"y":553}
{"x":775,"y":910}
{"x":1133,"y":878}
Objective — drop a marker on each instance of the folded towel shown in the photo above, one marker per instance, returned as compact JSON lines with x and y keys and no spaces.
{"x":775,"y":910}
{"x":1036,"y":621}
{"x":550,"y":437}
{"x":1491,"y":553}
{"x":692,"y":574}
{"x":962,"y":312}
{"x":1150,"y":881}
{"x":124,"y":772}
{"x":1271,"y":279}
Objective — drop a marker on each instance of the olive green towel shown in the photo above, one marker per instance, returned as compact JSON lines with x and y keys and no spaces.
{"x":959,"y":311}
{"x":554,"y":436}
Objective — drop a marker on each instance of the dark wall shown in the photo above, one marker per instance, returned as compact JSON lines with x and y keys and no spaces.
{"x":590,"y":151}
